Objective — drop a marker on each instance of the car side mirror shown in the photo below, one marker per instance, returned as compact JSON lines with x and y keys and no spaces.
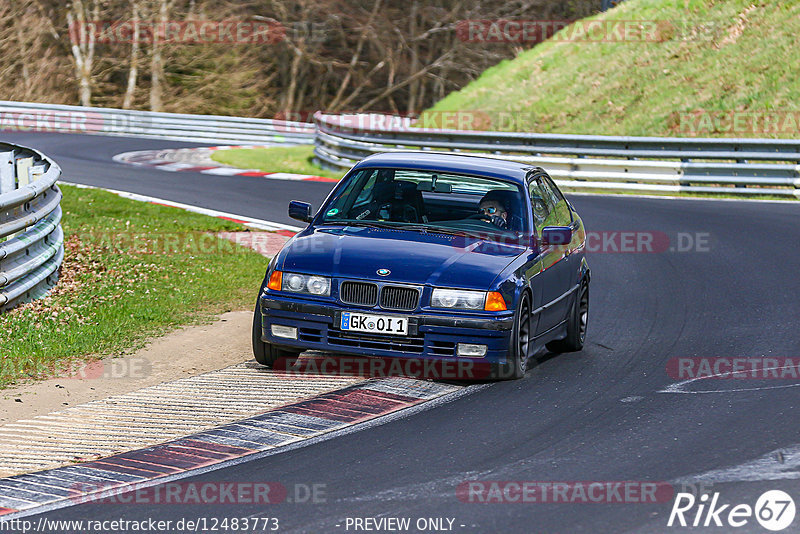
{"x":300,"y":211}
{"x":556,"y":235}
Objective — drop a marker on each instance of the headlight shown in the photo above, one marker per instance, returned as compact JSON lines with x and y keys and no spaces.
{"x":309,"y":284}
{"x":454,"y":299}
{"x":318,"y":285}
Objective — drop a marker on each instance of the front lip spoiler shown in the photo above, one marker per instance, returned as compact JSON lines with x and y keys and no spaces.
{"x":500,"y":324}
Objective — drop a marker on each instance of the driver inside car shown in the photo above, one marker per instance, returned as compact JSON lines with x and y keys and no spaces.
{"x":493,"y":210}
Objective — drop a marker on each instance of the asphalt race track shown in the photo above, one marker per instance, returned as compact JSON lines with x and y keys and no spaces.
{"x":598,"y":415}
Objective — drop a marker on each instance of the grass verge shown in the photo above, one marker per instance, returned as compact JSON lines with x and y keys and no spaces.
{"x":294,"y":159}
{"x":131,"y":271}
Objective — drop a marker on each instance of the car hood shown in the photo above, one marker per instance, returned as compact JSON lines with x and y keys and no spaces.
{"x":411,"y":256}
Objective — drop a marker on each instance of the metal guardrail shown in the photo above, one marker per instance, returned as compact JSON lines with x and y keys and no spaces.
{"x":31,"y":239}
{"x":29,"y":116}
{"x":582,"y":162}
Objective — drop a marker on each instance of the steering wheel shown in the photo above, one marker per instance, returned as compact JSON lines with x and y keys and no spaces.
{"x":494,"y":220}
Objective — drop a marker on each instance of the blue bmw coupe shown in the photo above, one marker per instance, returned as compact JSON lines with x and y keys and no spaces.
{"x":433,"y":257}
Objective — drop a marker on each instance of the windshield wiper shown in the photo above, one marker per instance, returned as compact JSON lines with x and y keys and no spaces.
{"x":374,"y":224}
{"x":483,"y":236}
{"x":438,"y":230}
{"x":391,"y":225}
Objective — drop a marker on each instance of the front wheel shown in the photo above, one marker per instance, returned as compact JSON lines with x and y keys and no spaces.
{"x":520,"y":342}
{"x":577,"y":322}
{"x":265,"y":353}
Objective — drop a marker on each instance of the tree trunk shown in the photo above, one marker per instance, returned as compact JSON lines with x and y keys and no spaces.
{"x":288,"y":107}
{"x":134,"y":68}
{"x":356,"y":56}
{"x":82,"y":37}
{"x":23,"y":50}
{"x":413,"y":88}
{"x":157,"y":63}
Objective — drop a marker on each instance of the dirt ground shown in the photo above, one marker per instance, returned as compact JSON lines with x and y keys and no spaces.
{"x":186,"y":352}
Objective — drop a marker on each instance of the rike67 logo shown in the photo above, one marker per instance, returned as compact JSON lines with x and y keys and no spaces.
{"x":774,"y":510}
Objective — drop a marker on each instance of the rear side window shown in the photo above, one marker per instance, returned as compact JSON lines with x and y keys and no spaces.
{"x":541,"y":204}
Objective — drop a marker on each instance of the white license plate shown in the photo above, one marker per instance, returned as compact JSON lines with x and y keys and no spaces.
{"x":374,"y":324}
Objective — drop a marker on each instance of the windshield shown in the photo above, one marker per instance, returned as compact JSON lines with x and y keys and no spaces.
{"x":428,"y":200}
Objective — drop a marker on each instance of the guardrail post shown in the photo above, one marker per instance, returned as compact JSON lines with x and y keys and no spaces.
{"x":7,"y":179}
{"x":6,"y":172}
{"x":23,"y":176}
{"x":797,"y":183}
{"x":23,"y":171}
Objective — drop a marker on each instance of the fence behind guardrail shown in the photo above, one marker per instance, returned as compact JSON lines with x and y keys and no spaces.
{"x":30,"y":116}
{"x":31,"y":239}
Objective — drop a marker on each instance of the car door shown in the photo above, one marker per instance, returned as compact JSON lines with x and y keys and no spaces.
{"x":551,"y":283}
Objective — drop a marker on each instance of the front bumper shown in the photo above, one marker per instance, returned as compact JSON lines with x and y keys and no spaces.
{"x":431,"y":335}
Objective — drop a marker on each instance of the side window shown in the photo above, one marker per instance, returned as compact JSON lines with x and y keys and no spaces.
{"x":366,"y":192}
{"x":561,"y":213}
{"x":541,"y":203}
{"x":340,"y":206}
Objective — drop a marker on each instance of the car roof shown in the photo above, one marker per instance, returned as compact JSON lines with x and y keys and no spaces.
{"x":448,"y":162}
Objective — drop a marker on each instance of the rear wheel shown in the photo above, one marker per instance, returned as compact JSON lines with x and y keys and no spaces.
{"x":520,"y":342}
{"x":577,"y":322}
{"x":265,"y":353}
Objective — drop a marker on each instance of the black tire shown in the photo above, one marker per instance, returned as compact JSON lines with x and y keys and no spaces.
{"x":520,"y":342}
{"x":577,"y":323}
{"x":265,"y":353}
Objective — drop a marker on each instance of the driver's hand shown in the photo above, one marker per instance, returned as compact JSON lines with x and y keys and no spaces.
{"x":498,"y":221}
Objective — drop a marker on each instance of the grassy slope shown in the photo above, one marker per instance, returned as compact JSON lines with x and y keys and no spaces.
{"x":132,"y":270}
{"x":295,"y":159}
{"x":740,"y":60}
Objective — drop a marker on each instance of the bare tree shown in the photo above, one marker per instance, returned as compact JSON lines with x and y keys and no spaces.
{"x":156,"y":60}
{"x":82,"y":20}
{"x":133,"y":71}
{"x":385,"y":55}
{"x":367,"y":28}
